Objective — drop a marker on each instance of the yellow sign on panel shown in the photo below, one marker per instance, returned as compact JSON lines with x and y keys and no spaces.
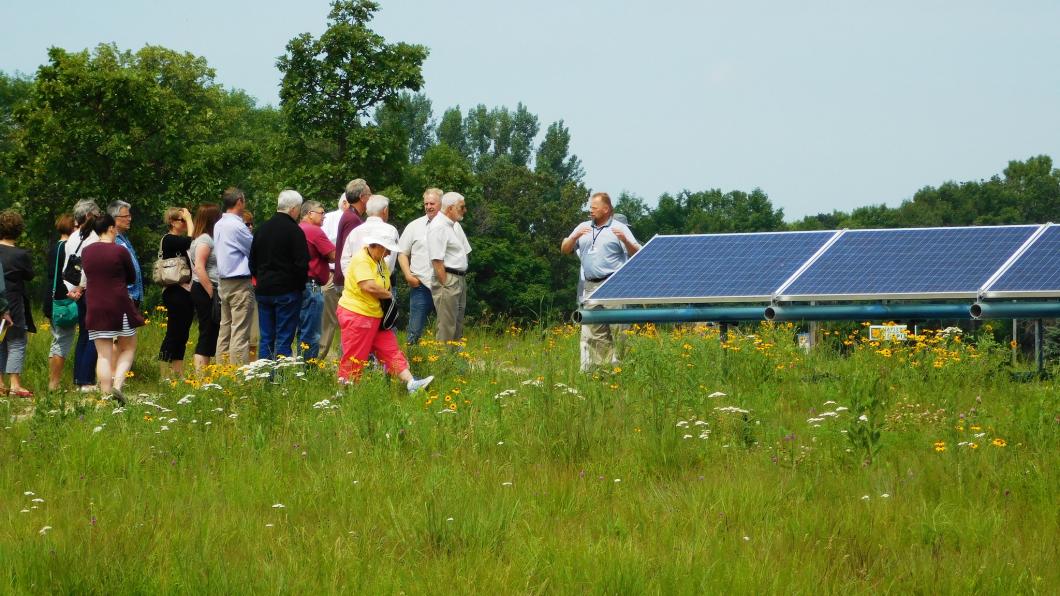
{"x":887,"y":332}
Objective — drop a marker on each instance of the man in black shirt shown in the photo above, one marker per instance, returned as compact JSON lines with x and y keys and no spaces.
{"x":279,"y":262}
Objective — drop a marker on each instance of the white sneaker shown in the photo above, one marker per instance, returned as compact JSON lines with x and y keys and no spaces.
{"x":416,"y":384}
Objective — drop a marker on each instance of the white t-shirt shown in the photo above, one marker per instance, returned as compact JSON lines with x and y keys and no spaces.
{"x":446,"y":242}
{"x":373,"y":227}
{"x":413,"y":244}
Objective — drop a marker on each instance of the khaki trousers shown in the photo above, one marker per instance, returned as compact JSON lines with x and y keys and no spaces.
{"x":238,"y":309}
{"x":450,"y":302}
{"x":329,"y":322}
{"x":601,"y":345}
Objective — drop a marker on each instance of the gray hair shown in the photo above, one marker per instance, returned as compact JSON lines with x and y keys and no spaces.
{"x":115,"y":208}
{"x":288,"y":199}
{"x":309,"y":206}
{"x":432,"y":191}
{"x":355,"y":189}
{"x":377,"y":204}
{"x":85,"y":208}
{"x":451,"y":198}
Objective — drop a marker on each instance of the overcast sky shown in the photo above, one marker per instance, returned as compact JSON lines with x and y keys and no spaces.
{"x":823,"y":105}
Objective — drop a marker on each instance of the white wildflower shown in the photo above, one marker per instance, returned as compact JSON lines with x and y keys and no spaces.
{"x":44,"y":530}
{"x":863,"y":418}
{"x":278,"y":506}
{"x":38,"y":500}
{"x":29,"y":493}
{"x":841,"y":409}
{"x":233,"y":415}
{"x":185,"y":400}
{"x":506,"y":484}
{"x":717,"y":394}
{"x":682,"y":423}
{"x":97,"y":429}
{"x":686,"y":437}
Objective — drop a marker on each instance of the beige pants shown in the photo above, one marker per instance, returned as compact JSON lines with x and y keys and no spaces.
{"x":450,"y":301}
{"x":329,"y":321}
{"x":238,"y":308}
{"x":601,"y":345}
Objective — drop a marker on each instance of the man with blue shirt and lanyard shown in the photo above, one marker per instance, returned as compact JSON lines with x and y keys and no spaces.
{"x":604,"y":244}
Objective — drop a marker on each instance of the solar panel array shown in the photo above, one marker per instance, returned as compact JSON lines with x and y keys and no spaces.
{"x":743,"y":267}
{"x":1035,"y":273}
{"x":908,"y":263}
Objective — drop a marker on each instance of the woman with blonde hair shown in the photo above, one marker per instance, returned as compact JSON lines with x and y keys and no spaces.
{"x":176,"y":297}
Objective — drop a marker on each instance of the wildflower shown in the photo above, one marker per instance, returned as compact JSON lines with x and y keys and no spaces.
{"x":973,"y":445}
{"x":998,"y":442}
{"x":940,"y":446}
{"x":278,"y":506}
{"x":617,"y":370}
{"x":717,"y":394}
{"x":44,"y":530}
{"x":29,"y":493}
{"x":97,"y":429}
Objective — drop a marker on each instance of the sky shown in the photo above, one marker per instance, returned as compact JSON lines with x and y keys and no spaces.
{"x":823,"y":105}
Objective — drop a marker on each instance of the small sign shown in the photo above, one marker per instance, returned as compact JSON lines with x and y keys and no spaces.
{"x":888,"y":332}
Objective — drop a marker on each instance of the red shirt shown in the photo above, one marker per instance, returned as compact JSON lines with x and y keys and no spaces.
{"x":319,"y":246}
{"x":350,"y":219}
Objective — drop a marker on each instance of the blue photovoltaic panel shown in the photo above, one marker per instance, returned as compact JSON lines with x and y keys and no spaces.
{"x":711,"y":267}
{"x":1037,"y":270}
{"x":909,"y":263}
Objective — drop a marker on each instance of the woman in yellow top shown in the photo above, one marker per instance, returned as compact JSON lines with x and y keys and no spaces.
{"x":360,"y":313}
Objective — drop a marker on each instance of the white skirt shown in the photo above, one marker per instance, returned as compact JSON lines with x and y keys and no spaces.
{"x":126,"y":331}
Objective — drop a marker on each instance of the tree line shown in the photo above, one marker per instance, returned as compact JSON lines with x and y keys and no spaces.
{"x":155,"y":128}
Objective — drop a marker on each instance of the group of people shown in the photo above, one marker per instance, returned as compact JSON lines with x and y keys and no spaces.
{"x":304,"y":275}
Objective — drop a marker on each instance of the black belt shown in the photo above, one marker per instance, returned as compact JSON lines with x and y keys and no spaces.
{"x":237,"y":277}
{"x":455,"y":271}
{"x":597,"y":280}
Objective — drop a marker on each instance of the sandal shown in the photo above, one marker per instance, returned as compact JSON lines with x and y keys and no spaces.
{"x":20,"y":393}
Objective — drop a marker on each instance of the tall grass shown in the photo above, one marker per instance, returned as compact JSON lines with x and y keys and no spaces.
{"x":696,"y":465}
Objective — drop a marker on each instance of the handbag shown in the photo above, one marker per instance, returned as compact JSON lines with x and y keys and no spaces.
{"x":174,"y":270}
{"x":72,"y":271}
{"x":64,"y":310}
{"x":390,"y":314}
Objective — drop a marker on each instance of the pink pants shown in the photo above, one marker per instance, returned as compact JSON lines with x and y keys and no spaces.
{"x":360,"y":337}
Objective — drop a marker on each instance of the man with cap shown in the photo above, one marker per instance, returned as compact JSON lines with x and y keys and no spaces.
{"x":448,"y":249}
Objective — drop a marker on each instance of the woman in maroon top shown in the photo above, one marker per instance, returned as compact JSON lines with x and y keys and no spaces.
{"x":112,"y":317}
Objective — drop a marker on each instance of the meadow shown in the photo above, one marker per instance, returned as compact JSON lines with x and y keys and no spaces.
{"x":696,"y":465}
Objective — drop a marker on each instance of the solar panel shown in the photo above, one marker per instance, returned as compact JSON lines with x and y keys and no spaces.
{"x":1034,"y":273}
{"x":711,"y":268}
{"x":916,"y":263}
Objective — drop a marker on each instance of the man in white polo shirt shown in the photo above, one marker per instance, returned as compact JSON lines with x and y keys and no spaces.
{"x":416,"y":265}
{"x":448,"y":248}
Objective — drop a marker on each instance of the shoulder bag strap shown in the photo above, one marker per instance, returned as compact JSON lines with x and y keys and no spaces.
{"x":58,"y":274}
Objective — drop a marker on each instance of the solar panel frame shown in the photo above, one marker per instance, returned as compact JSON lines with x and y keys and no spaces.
{"x":1043,"y":240}
{"x":786,"y":294}
{"x":765,"y":296}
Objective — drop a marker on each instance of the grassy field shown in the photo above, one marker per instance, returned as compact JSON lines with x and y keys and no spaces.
{"x":695,"y":466}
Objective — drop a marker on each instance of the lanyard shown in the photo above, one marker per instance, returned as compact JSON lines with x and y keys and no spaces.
{"x":596,"y":234}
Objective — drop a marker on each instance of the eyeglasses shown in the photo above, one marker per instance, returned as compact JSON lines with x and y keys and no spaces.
{"x":127,"y":216}
{"x":321,"y":212}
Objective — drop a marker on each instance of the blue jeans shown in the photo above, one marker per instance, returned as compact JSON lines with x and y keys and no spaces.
{"x":85,"y":350}
{"x":421,"y":304}
{"x":309,"y":323}
{"x":277,"y":321}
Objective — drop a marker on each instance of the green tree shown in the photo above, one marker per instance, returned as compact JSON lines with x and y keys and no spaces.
{"x":411,"y":114}
{"x":149,"y":127}
{"x":451,"y":131}
{"x":331,"y":84}
{"x":554,"y":159}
